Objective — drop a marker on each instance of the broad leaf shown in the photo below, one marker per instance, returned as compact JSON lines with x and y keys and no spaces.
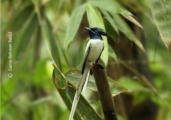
{"x":110,"y":6}
{"x":74,"y":76}
{"x":62,"y":93}
{"x":59,"y":78}
{"x":161,"y":10}
{"x":85,"y":111}
{"x":73,"y":25}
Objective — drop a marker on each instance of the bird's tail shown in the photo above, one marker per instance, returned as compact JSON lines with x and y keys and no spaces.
{"x":82,"y":85}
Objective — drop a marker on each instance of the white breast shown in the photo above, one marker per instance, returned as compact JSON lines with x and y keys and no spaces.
{"x":95,"y":50}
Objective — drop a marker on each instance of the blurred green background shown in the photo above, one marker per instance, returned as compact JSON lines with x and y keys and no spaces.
{"x":38,"y":33}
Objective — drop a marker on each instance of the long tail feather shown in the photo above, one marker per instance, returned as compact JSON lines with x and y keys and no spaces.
{"x":86,"y":82}
{"x":82,"y":84}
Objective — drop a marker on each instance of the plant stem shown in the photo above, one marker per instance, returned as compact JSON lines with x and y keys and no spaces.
{"x":104,"y":92}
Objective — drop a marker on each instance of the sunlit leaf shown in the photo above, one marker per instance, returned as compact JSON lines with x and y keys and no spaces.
{"x":74,"y":76}
{"x":161,"y":10}
{"x":132,"y":19}
{"x":7,"y":87}
{"x":131,"y":85}
{"x":73,"y":25}
{"x":95,"y":20}
{"x":40,"y":74}
{"x":110,"y":6}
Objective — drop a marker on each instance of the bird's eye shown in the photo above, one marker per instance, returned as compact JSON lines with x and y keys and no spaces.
{"x":96,"y":31}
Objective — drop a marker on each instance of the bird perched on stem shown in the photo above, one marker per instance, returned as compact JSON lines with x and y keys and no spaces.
{"x":93,"y":52}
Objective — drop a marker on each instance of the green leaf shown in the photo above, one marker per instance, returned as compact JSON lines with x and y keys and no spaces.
{"x":84,"y":109}
{"x":161,"y":10}
{"x":110,"y":20}
{"x":132,"y":19}
{"x":131,"y":85}
{"x":112,"y":54}
{"x":41,"y":76}
{"x":110,"y":6}
{"x":95,"y":20}
{"x":81,"y":53}
{"x":73,"y":25}
{"x":74,"y":76}
{"x":53,"y":47}
{"x":27,"y":35}
{"x":7,"y":87}
{"x":22,"y":17}
{"x":62,"y":93}
{"x":60,"y":79}
{"x":124,"y":28}
{"x":110,"y":30}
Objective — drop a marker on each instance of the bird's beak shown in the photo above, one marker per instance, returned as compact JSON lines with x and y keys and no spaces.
{"x":89,"y":29}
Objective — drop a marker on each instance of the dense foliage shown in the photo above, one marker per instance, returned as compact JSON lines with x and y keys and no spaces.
{"x":41,"y":35}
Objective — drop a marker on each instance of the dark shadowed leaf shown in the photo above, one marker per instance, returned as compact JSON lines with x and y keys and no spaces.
{"x":110,"y":20}
{"x":26,"y":37}
{"x":110,"y":30}
{"x":22,"y":17}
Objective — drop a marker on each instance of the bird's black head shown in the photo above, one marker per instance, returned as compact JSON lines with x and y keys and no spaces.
{"x":96,"y":33}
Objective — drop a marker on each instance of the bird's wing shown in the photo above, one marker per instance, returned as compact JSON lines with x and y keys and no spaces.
{"x":88,"y":47}
{"x":99,"y":55}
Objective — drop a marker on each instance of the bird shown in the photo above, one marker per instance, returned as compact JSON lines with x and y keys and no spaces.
{"x":92,"y":55}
